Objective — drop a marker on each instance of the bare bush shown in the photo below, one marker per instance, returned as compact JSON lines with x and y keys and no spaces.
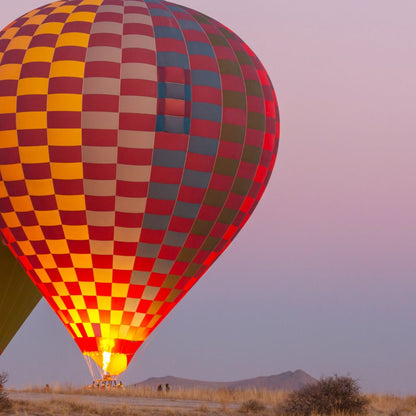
{"x":252,"y":406}
{"x":4,"y":400}
{"x":329,"y":396}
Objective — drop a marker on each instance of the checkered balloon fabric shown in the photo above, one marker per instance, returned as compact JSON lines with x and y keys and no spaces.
{"x":136,"y":138}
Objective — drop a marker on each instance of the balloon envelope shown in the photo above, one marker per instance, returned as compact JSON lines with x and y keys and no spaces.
{"x":136,"y":138}
{"x":18,"y":296}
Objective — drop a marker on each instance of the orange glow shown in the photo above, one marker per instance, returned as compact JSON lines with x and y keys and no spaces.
{"x":111,"y":362}
{"x":106,"y":360}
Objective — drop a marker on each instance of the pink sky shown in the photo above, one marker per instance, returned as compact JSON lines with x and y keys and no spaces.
{"x":323,"y":276}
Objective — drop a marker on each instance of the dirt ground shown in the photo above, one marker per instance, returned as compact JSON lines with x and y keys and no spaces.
{"x":55,"y":404}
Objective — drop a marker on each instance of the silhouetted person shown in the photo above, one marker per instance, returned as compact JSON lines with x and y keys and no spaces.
{"x":167,"y":388}
{"x":159,"y":387}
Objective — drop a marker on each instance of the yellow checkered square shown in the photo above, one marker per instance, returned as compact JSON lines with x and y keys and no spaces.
{"x":94,"y":316}
{"x":19,"y":42}
{"x":59,"y":302}
{"x":33,"y":232}
{"x":10,"y":71}
{"x":39,"y":187}
{"x":39,"y":54}
{"x":81,"y":261}
{"x":70,"y":39}
{"x":54,"y":28}
{"x":31,"y":120}
{"x":33,"y":86}
{"x":88,"y":329}
{"x":103,"y":275}
{"x":11,"y":219}
{"x":88,"y":288}
{"x":12,"y":172}
{"x":9,"y":139}
{"x":78,"y":301}
{"x":48,"y":217}
{"x":21,"y":203}
{"x":65,"y":137}
{"x":81,"y":17}
{"x":64,"y":102}
{"x":8,"y":104}
{"x":44,"y":278}
{"x":66,"y":170}
{"x":68,"y":274}
{"x":76,"y":330}
{"x":47,"y":261}
{"x":104,"y":303}
{"x":27,"y":248}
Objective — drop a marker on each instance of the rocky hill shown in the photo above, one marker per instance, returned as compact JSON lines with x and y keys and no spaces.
{"x":288,"y":381}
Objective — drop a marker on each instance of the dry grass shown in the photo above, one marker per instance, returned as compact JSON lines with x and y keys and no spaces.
{"x":231,"y":403}
{"x":78,"y":408}
{"x":222,"y":396}
{"x":392,"y":405}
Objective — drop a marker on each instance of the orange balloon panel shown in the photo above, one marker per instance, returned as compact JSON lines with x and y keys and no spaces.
{"x":136,"y":138}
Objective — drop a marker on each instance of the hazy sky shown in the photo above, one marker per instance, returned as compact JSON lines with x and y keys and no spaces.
{"x":322,"y":278}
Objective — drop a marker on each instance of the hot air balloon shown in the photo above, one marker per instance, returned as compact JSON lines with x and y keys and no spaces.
{"x":18,"y":296}
{"x":136,"y":139}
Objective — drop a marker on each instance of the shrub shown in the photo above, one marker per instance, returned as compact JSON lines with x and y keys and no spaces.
{"x":4,"y":400}
{"x":330,"y":395}
{"x":252,"y":406}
